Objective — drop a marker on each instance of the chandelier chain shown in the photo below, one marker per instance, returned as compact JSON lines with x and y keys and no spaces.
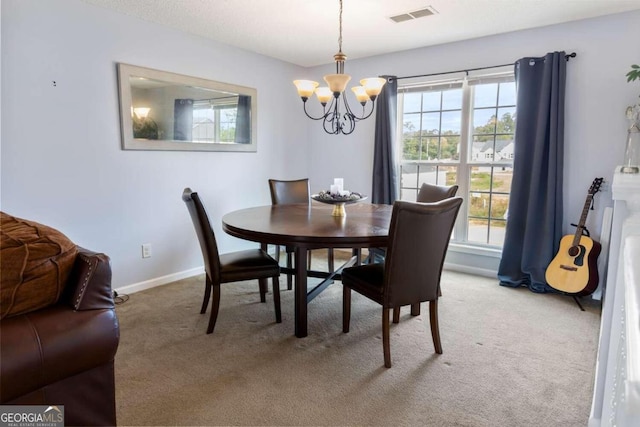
{"x":340,"y":29}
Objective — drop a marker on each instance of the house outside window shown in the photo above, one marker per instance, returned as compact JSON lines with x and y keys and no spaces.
{"x":461,"y":131}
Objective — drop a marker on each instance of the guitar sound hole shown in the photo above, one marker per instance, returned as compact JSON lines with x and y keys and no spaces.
{"x":574,"y":250}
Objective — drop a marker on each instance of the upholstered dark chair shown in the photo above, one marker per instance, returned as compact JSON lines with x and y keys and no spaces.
{"x":419,"y":235}
{"x":288,"y":193}
{"x":430,"y":193}
{"x":231,"y":267}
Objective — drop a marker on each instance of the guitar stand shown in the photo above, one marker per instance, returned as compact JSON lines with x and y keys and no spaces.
{"x":585,"y":232}
{"x":575,"y":298}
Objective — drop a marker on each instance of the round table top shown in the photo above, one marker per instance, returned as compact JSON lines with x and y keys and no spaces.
{"x":311,"y":225}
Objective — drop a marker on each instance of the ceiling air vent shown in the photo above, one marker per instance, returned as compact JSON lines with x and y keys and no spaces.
{"x":421,"y":13}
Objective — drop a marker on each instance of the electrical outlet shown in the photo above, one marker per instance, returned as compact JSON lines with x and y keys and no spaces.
{"x":146,"y":250}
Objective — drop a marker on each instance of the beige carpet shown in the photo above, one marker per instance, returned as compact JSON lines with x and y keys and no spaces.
{"x":511,"y":358}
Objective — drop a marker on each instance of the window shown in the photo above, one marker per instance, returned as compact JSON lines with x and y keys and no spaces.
{"x":214,"y":120}
{"x":461,"y":132}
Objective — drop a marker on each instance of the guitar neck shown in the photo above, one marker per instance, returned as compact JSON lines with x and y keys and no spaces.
{"x":583,"y":219}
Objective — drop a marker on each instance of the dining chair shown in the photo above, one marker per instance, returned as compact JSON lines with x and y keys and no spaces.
{"x":237,"y":266}
{"x":419,"y":235}
{"x":430,"y":193}
{"x":287,"y":193}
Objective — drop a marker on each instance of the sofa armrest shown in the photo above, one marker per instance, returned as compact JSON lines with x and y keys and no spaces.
{"x":89,"y":287}
{"x":45,"y":346}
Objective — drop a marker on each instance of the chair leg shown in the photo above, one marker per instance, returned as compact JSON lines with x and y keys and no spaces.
{"x":277,"y":257}
{"x":330,"y":260}
{"x":396,"y":314}
{"x":357,"y":252}
{"x":289,"y":275}
{"x":346,"y":308}
{"x":207,"y":295}
{"x":215,"y":306}
{"x":385,"y":337}
{"x":262,"y":284}
{"x":276,"y":297}
{"x":435,"y":330}
{"x":415,"y":309}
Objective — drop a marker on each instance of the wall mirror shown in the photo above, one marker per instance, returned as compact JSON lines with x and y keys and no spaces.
{"x":166,"y":111}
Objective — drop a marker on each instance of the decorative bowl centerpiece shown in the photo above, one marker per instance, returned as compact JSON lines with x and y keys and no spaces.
{"x":338,"y":200}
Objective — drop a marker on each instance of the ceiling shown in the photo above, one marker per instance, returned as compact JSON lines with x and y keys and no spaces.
{"x":305,"y":32}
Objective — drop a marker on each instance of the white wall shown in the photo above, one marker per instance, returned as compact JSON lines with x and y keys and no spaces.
{"x":62,"y":164}
{"x":61,"y":159}
{"x":597,"y":95}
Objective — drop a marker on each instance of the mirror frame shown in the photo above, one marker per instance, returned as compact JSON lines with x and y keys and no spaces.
{"x":126,"y":71}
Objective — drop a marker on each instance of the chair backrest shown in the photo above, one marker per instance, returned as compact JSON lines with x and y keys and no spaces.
{"x":289,"y":192}
{"x":419,"y":235}
{"x":430,"y":193}
{"x":206,"y":237}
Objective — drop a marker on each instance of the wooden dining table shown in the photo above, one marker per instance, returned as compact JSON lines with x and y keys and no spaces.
{"x":311,"y":226}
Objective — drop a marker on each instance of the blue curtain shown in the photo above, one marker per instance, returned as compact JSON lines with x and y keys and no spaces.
{"x":182,"y":119}
{"x":243,"y":120}
{"x":534,"y":222}
{"x":385,"y":179}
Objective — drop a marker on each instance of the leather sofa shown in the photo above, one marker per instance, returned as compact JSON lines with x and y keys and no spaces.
{"x":63,"y":354}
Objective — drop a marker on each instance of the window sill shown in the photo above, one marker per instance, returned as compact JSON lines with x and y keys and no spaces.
{"x":473,"y":259}
{"x":464,"y":248}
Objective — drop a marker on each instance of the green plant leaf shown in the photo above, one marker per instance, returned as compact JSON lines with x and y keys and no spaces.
{"x":634,"y":74}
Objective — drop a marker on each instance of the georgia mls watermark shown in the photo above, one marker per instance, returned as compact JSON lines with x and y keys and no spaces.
{"x":31,"y":416}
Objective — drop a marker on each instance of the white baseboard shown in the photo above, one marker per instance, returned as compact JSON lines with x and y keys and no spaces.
{"x":159,"y":281}
{"x":169,"y":278}
{"x":471,"y":270}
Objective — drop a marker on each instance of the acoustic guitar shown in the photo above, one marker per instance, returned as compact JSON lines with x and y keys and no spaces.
{"x":574,"y":270}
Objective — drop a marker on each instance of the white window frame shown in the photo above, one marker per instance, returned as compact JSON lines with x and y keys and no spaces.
{"x":216,"y":107}
{"x":465,"y":163}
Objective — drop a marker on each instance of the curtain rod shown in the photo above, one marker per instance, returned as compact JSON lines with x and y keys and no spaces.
{"x":567,"y":57}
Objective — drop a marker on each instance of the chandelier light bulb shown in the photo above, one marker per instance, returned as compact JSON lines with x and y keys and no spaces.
{"x":361,"y":94}
{"x":324,"y":95}
{"x":305,"y":88}
{"x":141,"y":112}
{"x":337,"y":82}
{"x":373,"y":86}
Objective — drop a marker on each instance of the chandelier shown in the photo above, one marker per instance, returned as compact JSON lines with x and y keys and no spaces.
{"x":333,"y":120}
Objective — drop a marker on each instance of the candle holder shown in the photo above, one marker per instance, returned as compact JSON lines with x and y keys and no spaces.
{"x":339,"y":210}
{"x":338,"y":201}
